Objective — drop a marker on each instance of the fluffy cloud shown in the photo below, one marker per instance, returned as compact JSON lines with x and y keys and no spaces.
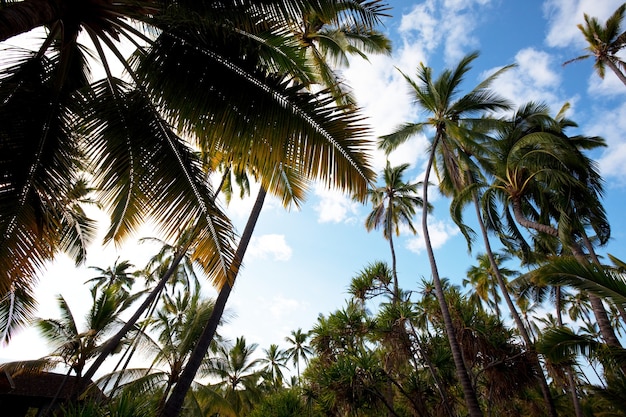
{"x":535,"y":78}
{"x":611,"y":126}
{"x":439,"y":231}
{"x":452,"y":22}
{"x":334,"y":206}
{"x":273,"y":246}
{"x":564,"y":15}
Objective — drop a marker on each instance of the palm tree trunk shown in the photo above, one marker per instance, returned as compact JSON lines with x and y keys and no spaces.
{"x":394,"y":272}
{"x":23,"y":16}
{"x":114,"y":341}
{"x":433,"y":372}
{"x":616,"y":70}
{"x":608,"y":334}
{"x":595,"y":259}
{"x":466,"y":384}
{"x":543,"y":383}
{"x":175,"y":401}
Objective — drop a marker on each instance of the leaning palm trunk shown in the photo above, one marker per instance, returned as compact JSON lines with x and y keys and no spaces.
{"x":175,"y":401}
{"x":109,"y":347}
{"x":609,"y":62}
{"x":466,"y":384}
{"x":545,"y":389}
{"x":606,"y":330}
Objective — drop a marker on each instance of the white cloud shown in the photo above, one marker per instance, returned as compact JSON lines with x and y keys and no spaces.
{"x":564,"y":15}
{"x":451,"y":21}
{"x":281,"y":307}
{"x":439,"y":231}
{"x":334,"y":206}
{"x":611,"y":125}
{"x":608,"y":86}
{"x":275,"y":246}
{"x":533,"y":79}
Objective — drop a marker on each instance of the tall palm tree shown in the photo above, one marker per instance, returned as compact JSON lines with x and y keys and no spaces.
{"x":547,"y":185}
{"x":273,"y":365}
{"x":75,"y":347}
{"x":298,"y":350}
{"x":605,"y":42}
{"x":452,"y":119}
{"x":129,"y":126}
{"x":294,"y":168}
{"x":394,"y":204}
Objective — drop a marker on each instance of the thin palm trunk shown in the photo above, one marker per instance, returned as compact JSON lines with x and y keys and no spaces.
{"x":616,"y":70}
{"x":569,"y":371}
{"x":595,"y":260}
{"x":466,"y":384}
{"x":175,"y":401}
{"x":110,"y":346}
{"x":394,"y":273}
{"x":543,"y":383}
{"x":608,"y":334}
{"x":433,"y":372}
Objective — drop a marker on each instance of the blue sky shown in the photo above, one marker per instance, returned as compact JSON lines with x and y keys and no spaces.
{"x":300,"y":262}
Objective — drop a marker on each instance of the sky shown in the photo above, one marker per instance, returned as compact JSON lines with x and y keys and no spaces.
{"x":300,"y":261}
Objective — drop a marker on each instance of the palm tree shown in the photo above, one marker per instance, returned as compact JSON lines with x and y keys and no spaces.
{"x":117,"y":275}
{"x":238,"y":374}
{"x":242,"y":56}
{"x":482,"y":279}
{"x":394,"y":204}
{"x":452,"y":119}
{"x":288,"y":175}
{"x":298,"y":349}
{"x":178,"y":323}
{"x":74,"y":347}
{"x":604,"y":43}
{"x":330,"y":36}
{"x":547,"y":185}
{"x":128,"y":126}
{"x":274,"y":363}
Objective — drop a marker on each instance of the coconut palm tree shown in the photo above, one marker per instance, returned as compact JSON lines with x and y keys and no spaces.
{"x":177,"y":323}
{"x":481,"y":277}
{"x":273,"y":365}
{"x":547,"y":185}
{"x":330,"y":36}
{"x":604,"y":43}
{"x":238,"y":374}
{"x":298,"y":350}
{"x":394,"y":204}
{"x":129,"y":126}
{"x":452,"y":119}
{"x":117,"y":275}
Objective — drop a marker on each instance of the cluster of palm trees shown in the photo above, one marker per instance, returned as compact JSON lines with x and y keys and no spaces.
{"x":241,"y":86}
{"x":246,"y":90}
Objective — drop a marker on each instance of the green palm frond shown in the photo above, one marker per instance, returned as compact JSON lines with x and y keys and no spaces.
{"x":561,"y":344}
{"x":17,"y":309}
{"x":596,"y":279}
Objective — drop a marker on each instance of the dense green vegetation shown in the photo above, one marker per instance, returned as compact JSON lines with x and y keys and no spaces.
{"x":258,"y":100}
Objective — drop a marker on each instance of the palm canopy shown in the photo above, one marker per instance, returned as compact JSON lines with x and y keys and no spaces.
{"x":207,"y":74}
{"x":394,"y":203}
{"x":605,"y":42}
